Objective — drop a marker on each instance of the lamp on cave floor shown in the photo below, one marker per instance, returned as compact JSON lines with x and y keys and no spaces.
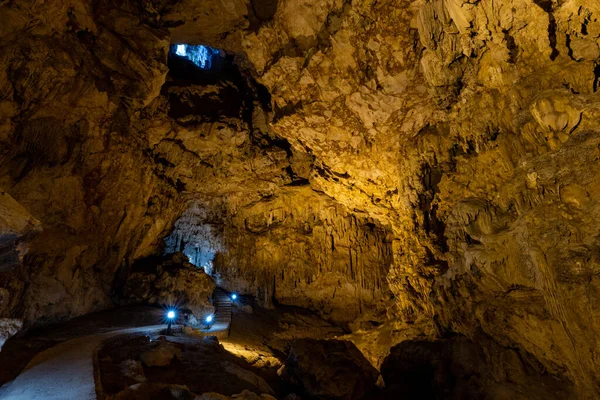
{"x":234,"y":296}
{"x":208,"y":321}
{"x":170,"y":317}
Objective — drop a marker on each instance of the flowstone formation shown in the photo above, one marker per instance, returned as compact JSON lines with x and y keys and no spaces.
{"x":404,"y":168}
{"x":299,"y":249}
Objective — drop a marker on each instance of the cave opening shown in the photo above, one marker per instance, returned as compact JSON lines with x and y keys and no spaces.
{"x":200,"y":55}
{"x":197,"y":62}
{"x":195,"y":66}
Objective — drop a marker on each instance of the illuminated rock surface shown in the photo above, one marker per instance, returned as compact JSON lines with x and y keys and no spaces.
{"x":409,"y":170}
{"x":173,"y":283}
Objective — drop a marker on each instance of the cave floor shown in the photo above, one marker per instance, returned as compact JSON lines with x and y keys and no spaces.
{"x":57,"y":361}
{"x":65,"y":371}
{"x":17,"y":352}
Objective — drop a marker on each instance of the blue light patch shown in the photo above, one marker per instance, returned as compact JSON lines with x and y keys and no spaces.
{"x":198,"y":54}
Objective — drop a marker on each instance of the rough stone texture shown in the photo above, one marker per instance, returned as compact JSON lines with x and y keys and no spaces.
{"x":16,"y":227}
{"x":142,"y":391}
{"x":15,"y":222}
{"x":68,"y":85}
{"x":463,"y":131}
{"x":161,"y":355}
{"x":375,"y":340}
{"x":201,"y":366}
{"x":212,"y":396}
{"x":468,"y":127}
{"x":133,"y":369}
{"x":298,"y":249}
{"x":173,"y":282}
{"x":332,"y":369}
{"x":245,"y":395}
{"x":248,"y":376}
{"x":459,"y":368}
{"x":8,"y":327}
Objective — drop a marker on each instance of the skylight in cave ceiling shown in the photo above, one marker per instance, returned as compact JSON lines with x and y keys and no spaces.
{"x":198,"y":54}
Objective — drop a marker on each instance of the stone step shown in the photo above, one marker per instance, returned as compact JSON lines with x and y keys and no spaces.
{"x":222,"y":316}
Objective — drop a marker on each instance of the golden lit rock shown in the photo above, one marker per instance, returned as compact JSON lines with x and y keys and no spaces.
{"x":422,"y":174}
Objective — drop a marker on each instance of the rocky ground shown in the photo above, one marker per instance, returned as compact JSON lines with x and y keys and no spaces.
{"x":283,"y":352}
{"x":269,"y":352}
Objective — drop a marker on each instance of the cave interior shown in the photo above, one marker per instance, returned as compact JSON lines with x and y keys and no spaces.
{"x":299,"y":199}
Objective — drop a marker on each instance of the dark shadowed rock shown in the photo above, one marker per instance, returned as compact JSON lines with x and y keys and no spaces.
{"x":247,"y":376}
{"x":145,"y":391}
{"x":174,"y":281}
{"x":459,"y":368}
{"x":161,"y":355}
{"x":8,"y":327}
{"x":245,"y":395}
{"x":332,"y":369}
{"x":133,"y":369}
{"x":372,"y":161}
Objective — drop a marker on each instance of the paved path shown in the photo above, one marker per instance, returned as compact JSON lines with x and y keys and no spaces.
{"x":65,"y":371}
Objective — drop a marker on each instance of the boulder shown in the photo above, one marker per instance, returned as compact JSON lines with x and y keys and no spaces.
{"x":333,"y":369}
{"x":171,"y":280}
{"x":160,"y":356}
{"x":248,"y":395}
{"x":146,"y":390}
{"x":212,"y":396}
{"x":248,"y":376}
{"x":460,"y":368}
{"x":8,"y":327}
{"x":245,"y":395}
{"x":133,"y":369}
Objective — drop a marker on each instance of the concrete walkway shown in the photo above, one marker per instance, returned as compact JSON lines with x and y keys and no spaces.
{"x":65,"y":371}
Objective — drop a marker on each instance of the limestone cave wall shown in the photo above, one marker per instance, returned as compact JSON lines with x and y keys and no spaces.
{"x":299,"y":248}
{"x":470,"y":128}
{"x":303,"y":249}
{"x":70,"y":155}
{"x":449,"y":148}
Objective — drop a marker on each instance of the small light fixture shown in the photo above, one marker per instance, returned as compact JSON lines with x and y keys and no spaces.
{"x":233,"y":296}
{"x":208,"y":319}
{"x":171,"y":314}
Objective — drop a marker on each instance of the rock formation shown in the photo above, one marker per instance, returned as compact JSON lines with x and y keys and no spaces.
{"x":300,"y":249}
{"x":173,"y":283}
{"x":458,"y":368}
{"x":329,"y":369}
{"x":161,"y":355}
{"x":428,"y":165}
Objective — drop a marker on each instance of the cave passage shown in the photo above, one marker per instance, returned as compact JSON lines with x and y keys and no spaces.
{"x":197,"y":240}
{"x":200,"y":55}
